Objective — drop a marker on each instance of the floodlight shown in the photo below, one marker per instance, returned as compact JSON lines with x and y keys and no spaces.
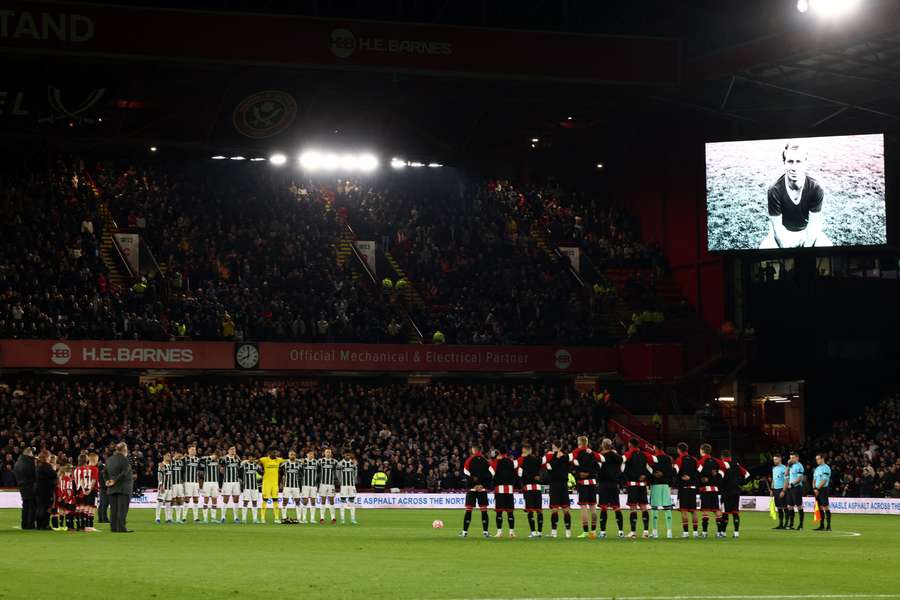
{"x":311,"y":160}
{"x":367,"y":163}
{"x":398,"y":163}
{"x":435,"y":165}
{"x":219,"y":157}
{"x":330,"y":161}
{"x":278,"y":159}
{"x":416,"y":164}
{"x":237,"y":158}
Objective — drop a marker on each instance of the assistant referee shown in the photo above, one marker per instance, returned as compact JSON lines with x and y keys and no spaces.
{"x":821,"y":486}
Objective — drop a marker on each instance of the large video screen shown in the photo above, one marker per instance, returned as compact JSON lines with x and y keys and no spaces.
{"x":796,"y":193}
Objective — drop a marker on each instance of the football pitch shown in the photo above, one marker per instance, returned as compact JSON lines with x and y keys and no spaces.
{"x":397,"y":554}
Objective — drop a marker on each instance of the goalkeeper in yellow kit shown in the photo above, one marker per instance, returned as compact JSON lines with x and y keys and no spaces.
{"x":270,"y":464}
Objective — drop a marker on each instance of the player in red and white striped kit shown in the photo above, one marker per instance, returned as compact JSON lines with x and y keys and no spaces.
{"x":503,"y":470}
{"x":87,"y":485}
{"x":529,"y":471}
{"x":586,"y":464}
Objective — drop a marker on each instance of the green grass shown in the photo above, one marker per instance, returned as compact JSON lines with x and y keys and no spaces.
{"x":397,"y":554}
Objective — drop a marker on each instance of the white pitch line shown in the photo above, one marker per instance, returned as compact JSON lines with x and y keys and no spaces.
{"x":693,"y":597}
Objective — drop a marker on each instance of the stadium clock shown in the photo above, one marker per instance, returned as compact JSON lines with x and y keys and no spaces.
{"x":246,"y":356}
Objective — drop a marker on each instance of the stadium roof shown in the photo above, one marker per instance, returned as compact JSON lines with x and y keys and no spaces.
{"x":751,"y":67}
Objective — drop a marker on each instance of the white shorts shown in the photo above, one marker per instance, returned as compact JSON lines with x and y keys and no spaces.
{"x":192,"y":490}
{"x":178,"y":490}
{"x":166,"y":495}
{"x":290,"y":493}
{"x":308,"y":491}
{"x":326,"y":490}
{"x":348,"y":491}
{"x":231,"y":488}
{"x":211,"y":489}
{"x":251,"y":494}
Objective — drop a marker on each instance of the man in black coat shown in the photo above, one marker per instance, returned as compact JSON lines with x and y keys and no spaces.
{"x":46,"y":486}
{"x":26,"y":479}
{"x":103,"y":509}
{"x":119,"y":485}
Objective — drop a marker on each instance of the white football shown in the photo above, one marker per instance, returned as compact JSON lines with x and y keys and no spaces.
{"x":437,"y":524}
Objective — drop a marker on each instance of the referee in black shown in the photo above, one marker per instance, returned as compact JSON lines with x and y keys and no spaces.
{"x":119,"y":485}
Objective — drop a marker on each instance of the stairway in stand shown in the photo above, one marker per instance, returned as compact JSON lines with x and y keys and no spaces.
{"x":412,"y":297}
{"x":108,"y":252}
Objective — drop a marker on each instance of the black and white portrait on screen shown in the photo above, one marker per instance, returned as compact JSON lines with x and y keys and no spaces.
{"x":796,"y":193}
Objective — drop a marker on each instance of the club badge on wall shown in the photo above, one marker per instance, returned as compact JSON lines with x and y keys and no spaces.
{"x":265,"y":114}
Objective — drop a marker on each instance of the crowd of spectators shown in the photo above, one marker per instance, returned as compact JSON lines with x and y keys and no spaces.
{"x":418,"y":434}
{"x":53,"y":283}
{"x":864,"y":453}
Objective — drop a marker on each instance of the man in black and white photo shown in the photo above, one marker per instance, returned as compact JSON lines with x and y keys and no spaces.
{"x":795,"y":205}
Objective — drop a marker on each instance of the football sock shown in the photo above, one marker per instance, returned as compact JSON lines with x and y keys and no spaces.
{"x":800,"y":514}
{"x":781,"y":517}
{"x":645,"y":519}
{"x":531,"y":521}
{"x":721,"y":523}
{"x":736,"y":519}
{"x":484,"y":520}
{"x":632,"y":520}
{"x":158,"y":509}
{"x":243,"y":513}
{"x":466,"y":520}
{"x":603,"y":517}
{"x":654,"y":519}
{"x":353,"y":512}
{"x":694,"y":517}
{"x":332,"y":512}
{"x":705,"y":523}
{"x":790,"y":517}
{"x":90,"y":521}
{"x":540,"y":521}
{"x":554,"y":520}
{"x":168,"y":511}
{"x":584,"y":526}
{"x":54,"y":522}
{"x":511,"y":520}
{"x":827,"y":517}
{"x":685,"y":527}
{"x":255,"y":513}
{"x":70,"y":521}
{"x":593,"y":521}
{"x":213,"y":512}
{"x":499,"y":519}
{"x":284,"y":512}
{"x":567,"y":518}
{"x":620,"y":520}
{"x":668,"y":516}
{"x":196,"y":509}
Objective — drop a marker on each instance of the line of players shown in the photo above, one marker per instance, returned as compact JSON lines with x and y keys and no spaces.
{"x":184,"y":477}
{"x":597,"y":478}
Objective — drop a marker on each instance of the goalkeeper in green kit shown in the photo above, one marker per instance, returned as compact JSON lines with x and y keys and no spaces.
{"x":660,"y":493}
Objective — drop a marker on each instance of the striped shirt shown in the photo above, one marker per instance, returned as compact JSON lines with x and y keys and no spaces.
{"x":161,"y":475}
{"x":166,"y":475}
{"x":210,"y":469}
{"x":250,"y":469}
{"x":191,"y":469}
{"x":326,"y":470}
{"x":310,"y":468}
{"x":232,"y":466}
{"x":347,"y":472}
{"x":178,"y":471}
{"x":290,"y":470}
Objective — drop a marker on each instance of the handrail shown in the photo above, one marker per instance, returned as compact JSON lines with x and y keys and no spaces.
{"x":374,"y":280}
{"x":560,"y":254}
{"x":115,"y":244}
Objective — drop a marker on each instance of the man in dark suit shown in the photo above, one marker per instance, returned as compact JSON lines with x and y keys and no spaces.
{"x":119,"y":484}
{"x":26,"y":478}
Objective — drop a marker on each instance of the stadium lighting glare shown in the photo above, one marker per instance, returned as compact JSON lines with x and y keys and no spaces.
{"x":237,"y":158}
{"x":726,"y":398}
{"x":331,"y":161}
{"x":311,"y":161}
{"x":802,"y":5}
{"x":435,"y":165}
{"x":535,"y":140}
{"x":367,"y":163}
{"x":416,"y":164}
{"x":398,"y":163}
{"x":219,"y":157}
{"x":829,"y":9}
{"x":152,"y":148}
{"x":599,"y":165}
{"x":349,"y":162}
{"x":257,"y":159}
{"x":534,"y":145}
{"x":278,"y":159}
